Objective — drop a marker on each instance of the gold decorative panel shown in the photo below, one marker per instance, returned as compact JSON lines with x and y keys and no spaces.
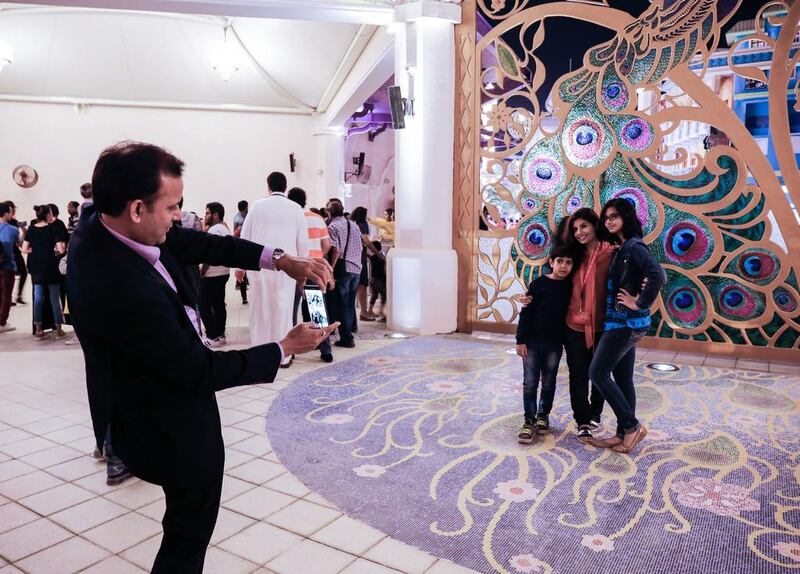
{"x":658,"y":115}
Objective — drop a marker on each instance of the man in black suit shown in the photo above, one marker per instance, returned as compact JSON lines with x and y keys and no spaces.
{"x":148,"y":373}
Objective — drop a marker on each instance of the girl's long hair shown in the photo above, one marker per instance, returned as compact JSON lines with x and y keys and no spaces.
{"x":631,"y":226}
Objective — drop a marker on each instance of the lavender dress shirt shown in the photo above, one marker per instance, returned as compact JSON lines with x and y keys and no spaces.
{"x":152,"y":255}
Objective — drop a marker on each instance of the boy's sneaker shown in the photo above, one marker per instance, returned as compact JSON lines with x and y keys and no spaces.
{"x":584,"y":433}
{"x":526,"y":433}
{"x":542,"y":423}
{"x":595,"y":423}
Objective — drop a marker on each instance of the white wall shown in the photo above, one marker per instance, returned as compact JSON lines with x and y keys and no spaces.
{"x":228,"y":155}
{"x":376,"y":193}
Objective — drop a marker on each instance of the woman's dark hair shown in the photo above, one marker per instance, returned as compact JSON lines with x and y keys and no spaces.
{"x":359,"y":215}
{"x":129,"y":171}
{"x":53,"y":209}
{"x":579,"y":250}
{"x":631,"y":226}
{"x":42,"y":212}
{"x":561,"y":236}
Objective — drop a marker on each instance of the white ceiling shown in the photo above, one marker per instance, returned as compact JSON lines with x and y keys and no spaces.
{"x":162,"y":57}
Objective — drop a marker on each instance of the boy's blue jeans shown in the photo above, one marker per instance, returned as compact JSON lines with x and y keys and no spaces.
{"x":540,"y":364}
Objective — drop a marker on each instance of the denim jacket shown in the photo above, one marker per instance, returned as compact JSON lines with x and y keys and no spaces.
{"x":631,"y":265}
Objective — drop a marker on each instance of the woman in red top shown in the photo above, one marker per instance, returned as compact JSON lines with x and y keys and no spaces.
{"x":585,"y":315}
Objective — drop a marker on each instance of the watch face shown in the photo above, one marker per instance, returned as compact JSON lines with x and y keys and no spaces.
{"x":25,"y":176}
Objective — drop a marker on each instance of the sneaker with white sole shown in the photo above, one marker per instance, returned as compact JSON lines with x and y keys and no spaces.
{"x":222,"y":340}
{"x":6,"y":328}
{"x":212,"y":343}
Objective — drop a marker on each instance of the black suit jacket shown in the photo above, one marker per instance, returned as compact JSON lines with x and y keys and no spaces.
{"x":148,"y":373}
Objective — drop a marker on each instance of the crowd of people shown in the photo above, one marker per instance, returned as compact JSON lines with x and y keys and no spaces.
{"x":130,"y":252}
{"x":595,"y":304}
{"x":39,"y":249}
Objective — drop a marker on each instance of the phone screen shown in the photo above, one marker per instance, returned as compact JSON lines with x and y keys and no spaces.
{"x":316,"y":306}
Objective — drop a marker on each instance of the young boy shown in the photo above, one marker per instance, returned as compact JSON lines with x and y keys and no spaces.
{"x":539,"y":340}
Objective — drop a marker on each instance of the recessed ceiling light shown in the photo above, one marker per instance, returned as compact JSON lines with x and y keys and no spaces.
{"x":663,"y":367}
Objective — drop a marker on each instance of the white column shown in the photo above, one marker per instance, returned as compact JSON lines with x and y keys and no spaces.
{"x":329,"y":168}
{"x":423,"y":267}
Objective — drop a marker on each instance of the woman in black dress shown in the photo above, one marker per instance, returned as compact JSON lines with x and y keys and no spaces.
{"x":44,"y":245}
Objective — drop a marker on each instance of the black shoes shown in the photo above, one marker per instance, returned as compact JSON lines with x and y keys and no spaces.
{"x":526,"y":433}
{"x":326,"y":357}
{"x":542,"y":423}
{"x":288,"y":363}
{"x":349,"y":345}
{"x":584,"y":433}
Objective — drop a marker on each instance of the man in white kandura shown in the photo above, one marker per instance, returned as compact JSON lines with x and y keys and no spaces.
{"x":274,"y":220}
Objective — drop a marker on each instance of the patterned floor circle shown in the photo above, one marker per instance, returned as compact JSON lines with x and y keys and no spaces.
{"x":419,"y":440}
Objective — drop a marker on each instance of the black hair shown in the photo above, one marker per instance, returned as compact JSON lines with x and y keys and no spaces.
{"x":590,"y":216}
{"x":53,"y":209}
{"x":73,"y":204}
{"x":561,"y":250}
{"x":377,"y":245}
{"x":359,"y":215}
{"x":276,"y":181}
{"x":631,"y":226}
{"x":242,"y":205}
{"x":390,"y":212}
{"x":335,"y":209}
{"x":4,"y":208}
{"x":129,"y":171}
{"x":216,"y":207}
{"x":42,"y":212}
{"x":297,"y":195}
{"x":86,"y":190}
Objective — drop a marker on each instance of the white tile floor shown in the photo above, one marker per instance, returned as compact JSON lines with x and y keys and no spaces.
{"x":58,"y":516}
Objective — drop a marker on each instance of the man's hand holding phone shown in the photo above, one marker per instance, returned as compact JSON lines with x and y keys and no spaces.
{"x":305,"y":337}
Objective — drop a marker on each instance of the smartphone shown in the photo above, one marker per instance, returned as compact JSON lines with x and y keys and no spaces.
{"x":316,"y":305}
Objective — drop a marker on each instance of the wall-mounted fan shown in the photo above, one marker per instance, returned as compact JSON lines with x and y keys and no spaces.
{"x":25,"y":176}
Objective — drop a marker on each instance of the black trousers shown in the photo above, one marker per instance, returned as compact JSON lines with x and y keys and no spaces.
{"x":211,"y":302}
{"x":579,"y":357}
{"x":188,"y":525}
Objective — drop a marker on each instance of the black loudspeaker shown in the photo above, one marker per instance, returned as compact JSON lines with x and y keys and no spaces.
{"x":359,"y":163}
{"x":397,"y":107}
{"x":292,"y":164}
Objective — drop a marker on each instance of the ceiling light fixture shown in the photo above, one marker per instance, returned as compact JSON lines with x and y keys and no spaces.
{"x":225,"y":64}
{"x":6,"y":55}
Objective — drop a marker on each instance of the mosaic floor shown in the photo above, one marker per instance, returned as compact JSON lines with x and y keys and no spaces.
{"x":419,"y":441}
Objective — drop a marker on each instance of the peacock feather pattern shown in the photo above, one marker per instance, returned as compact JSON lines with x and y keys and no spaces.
{"x":731,"y":278}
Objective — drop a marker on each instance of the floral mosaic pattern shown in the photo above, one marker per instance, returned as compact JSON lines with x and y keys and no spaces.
{"x":420,"y":442}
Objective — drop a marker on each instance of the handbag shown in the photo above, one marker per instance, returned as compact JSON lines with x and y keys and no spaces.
{"x":339,"y":270}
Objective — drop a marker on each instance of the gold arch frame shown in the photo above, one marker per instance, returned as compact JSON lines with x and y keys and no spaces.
{"x":473,"y":311}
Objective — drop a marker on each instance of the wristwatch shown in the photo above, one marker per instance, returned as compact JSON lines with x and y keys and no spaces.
{"x":277,"y":253}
